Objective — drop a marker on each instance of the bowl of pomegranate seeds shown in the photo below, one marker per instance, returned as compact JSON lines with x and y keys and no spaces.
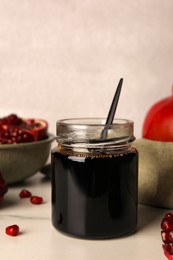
{"x":24,"y":147}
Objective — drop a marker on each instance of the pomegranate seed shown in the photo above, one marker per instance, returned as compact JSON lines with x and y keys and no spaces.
{"x":25,"y":194}
{"x":166,"y":224}
{"x":165,"y":237}
{"x":36,"y":200}
{"x":169,"y":216}
{"x":12,"y":230}
{"x":171,"y":236}
{"x":168,"y":247}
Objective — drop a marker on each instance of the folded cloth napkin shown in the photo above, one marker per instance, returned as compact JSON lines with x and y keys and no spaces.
{"x":155,"y":172}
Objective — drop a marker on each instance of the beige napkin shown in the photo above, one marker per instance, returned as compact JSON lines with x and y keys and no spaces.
{"x":155,"y":172}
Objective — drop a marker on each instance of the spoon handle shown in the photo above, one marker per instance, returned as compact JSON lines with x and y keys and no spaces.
{"x":112,"y":110}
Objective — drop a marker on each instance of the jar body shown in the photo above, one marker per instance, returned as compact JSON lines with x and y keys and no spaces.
{"x":94,"y":194}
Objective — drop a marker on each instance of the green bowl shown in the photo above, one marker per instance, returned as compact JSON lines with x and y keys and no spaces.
{"x":20,"y":161}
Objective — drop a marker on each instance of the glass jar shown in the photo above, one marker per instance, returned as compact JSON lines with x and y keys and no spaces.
{"x":94,"y":181}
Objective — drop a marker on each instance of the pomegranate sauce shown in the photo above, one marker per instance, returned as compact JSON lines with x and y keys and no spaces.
{"x":94,"y":196}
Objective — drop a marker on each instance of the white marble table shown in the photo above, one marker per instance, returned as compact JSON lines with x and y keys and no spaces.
{"x":39,"y":240}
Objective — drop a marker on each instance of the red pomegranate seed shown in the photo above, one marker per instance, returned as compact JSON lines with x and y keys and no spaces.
{"x":165,"y":237}
{"x":12,"y":230}
{"x":171,"y":236}
{"x":36,"y":200}
{"x":25,"y":194}
{"x":169,"y":215}
{"x":168,"y":254}
{"x":168,"y":248}
{"x":166,"y":224}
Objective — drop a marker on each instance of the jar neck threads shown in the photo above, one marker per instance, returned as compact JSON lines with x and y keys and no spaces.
{"x":85,"y":135}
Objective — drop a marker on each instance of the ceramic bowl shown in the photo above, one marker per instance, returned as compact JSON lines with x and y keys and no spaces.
{"x":20,"y":161}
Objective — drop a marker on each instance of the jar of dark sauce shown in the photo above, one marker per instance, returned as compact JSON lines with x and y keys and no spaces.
{"x":94,"y":181}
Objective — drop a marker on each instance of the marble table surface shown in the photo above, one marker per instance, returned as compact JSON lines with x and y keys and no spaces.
{"x":39,"y":240}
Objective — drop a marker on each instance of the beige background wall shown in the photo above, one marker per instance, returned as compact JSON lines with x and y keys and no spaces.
{"x":63,"y":58}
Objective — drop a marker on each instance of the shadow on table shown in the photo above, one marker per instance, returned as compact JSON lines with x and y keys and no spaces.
{"x":147,"y":215}
{"x":6,"y":203}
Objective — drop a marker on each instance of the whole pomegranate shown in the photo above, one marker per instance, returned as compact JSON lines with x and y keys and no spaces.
{"x":3,"y":187}
{"x":14,"y":129}
{"x":158,"y":124}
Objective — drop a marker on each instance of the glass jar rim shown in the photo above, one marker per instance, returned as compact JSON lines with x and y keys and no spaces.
{"x":86,"y":132}
{"x":93,"y":121}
